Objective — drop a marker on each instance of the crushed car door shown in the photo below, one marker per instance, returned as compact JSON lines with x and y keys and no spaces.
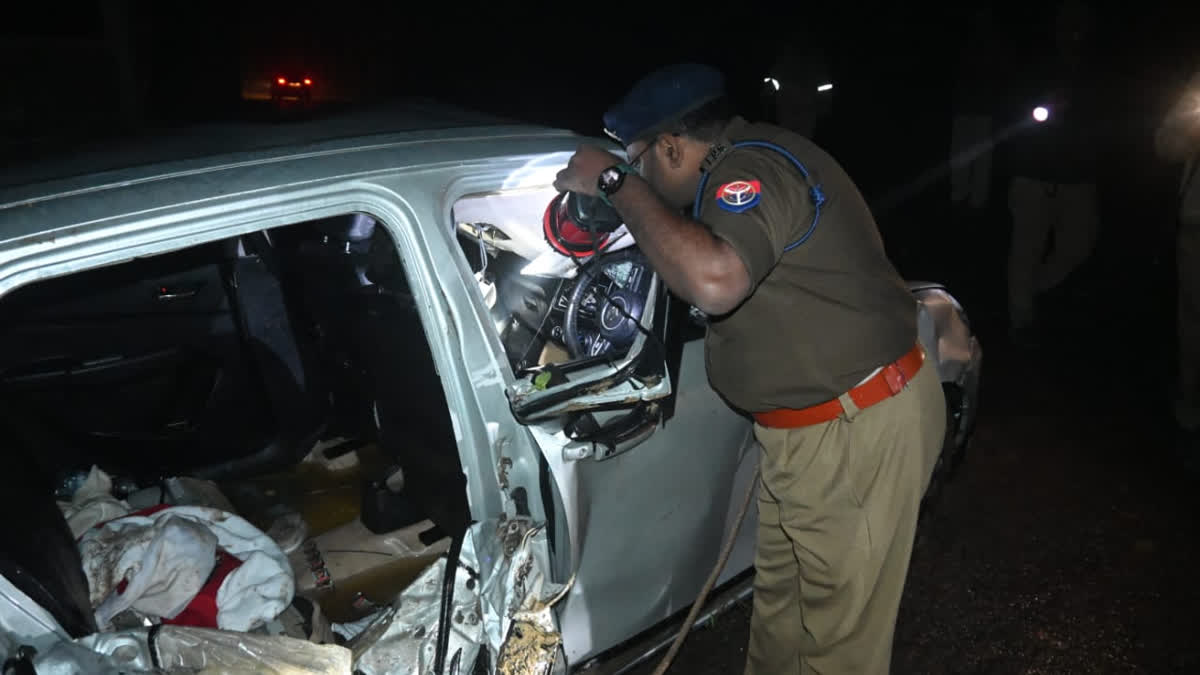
{"x":646,"y":458}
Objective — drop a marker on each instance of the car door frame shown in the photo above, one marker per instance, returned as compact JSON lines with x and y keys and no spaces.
{"x":593,"y":618}
{"x":504,"y":467}
{"x":404,"y":202}
{"x":639,"y":564}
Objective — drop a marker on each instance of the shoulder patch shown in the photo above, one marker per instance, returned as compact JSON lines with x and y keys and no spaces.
{"x":739,"y":195}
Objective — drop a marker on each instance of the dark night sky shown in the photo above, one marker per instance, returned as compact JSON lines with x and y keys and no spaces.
{"x":547,"y":64}
{"x":558,"y":65}
{"x":891,"y":64}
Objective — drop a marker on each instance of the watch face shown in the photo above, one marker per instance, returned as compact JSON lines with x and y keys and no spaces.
{"x":609,"y":177}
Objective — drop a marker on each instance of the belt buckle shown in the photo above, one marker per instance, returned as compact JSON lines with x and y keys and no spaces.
{"x":895,"y":378}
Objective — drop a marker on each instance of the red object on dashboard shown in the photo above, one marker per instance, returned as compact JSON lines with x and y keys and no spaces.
{"x":564,"y":235}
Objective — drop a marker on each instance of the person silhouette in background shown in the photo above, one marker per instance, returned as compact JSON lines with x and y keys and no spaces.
{"x":1054,"y":159}
{"x":798,"y":90}
{"x":1178,"y":140}
{"x":977,"y":73}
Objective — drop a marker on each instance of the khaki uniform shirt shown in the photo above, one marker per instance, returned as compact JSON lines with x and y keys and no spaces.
{"x":821,"y":316}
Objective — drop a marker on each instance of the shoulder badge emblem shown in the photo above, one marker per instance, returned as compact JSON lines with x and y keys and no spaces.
{"x":739,"y":195}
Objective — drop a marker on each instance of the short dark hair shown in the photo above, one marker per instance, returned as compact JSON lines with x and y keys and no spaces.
{"x":705,"y":123}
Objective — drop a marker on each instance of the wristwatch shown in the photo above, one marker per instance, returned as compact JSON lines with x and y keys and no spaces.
{"x":611,"y":180}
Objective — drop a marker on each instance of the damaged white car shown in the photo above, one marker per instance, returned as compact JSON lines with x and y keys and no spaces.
{"x":325,"y":398}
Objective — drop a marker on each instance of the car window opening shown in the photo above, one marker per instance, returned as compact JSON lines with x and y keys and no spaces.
{"x":533,"y":294}
{"x":284,"y":376}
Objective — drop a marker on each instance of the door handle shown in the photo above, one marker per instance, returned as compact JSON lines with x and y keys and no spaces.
{"x":617,"y":436}
{"x":627,"y":442}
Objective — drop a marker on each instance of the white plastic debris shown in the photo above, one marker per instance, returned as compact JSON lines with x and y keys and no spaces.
{"x":181,"y":491}
{"x":352,"y":629}
{"x":188,"y":491}
{"x":92,"y":503}
{"x":183,"y":649}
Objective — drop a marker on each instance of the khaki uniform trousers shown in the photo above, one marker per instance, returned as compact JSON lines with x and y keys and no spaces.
{"x":1071,"y":213}
{"x":838,"y":509}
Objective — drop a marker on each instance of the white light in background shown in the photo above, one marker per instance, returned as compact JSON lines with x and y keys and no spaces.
{"x":825,"y":87}
{"x":772,"y":81}
{"x":1041,"y":113}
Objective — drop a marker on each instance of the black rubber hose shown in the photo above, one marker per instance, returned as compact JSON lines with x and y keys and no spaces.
{"x":443,"y":634}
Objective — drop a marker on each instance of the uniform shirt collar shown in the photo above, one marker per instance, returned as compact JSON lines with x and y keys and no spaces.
{"x":724,"y":143}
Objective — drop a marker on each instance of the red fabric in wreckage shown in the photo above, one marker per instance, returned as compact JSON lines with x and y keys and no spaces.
{"x":202,"y":610}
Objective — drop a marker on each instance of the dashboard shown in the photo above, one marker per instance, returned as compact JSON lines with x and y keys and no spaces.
{"x":532,"y":312}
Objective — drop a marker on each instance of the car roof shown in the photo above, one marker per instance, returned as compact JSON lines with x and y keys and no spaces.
{"x":200,"y":162}
{"x":219,"y":140}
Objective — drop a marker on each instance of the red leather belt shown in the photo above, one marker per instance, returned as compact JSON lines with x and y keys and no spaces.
{"x":882,"y":385}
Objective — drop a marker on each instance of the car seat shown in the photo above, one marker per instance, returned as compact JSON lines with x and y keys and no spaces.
{"x":377,"y":359}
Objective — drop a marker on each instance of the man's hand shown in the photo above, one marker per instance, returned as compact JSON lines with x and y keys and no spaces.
{"x":582,"y":174}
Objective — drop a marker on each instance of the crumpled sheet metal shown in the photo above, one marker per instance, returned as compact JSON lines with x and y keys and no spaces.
{"x":526,"y":640}
{"x":408,"y":643}
{"x":510,"y":615}
{"x":530,"y":649}
{"x":184,"y":649}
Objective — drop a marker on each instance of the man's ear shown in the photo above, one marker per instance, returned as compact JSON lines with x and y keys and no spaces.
{"x":672,"y":149}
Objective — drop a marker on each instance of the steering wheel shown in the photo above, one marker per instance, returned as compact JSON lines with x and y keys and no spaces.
{"x":620,"y":299}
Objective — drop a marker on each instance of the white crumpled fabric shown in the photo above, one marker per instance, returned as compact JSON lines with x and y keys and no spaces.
{"x":164,"y":554}
{"x":166,"y":564}
{"x":92,"y":503}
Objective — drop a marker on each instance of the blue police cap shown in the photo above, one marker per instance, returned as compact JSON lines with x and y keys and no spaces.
{"x":662,"y":98}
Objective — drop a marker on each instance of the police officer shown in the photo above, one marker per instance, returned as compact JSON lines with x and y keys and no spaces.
{"x":1054,"y":159}
{"x":811,"y":331}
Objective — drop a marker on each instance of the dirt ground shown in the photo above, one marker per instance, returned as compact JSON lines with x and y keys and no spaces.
{"x":1067,"y":541}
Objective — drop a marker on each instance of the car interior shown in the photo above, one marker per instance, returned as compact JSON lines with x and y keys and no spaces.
{"x":261,"y":363}
{"x":233,"y":362}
